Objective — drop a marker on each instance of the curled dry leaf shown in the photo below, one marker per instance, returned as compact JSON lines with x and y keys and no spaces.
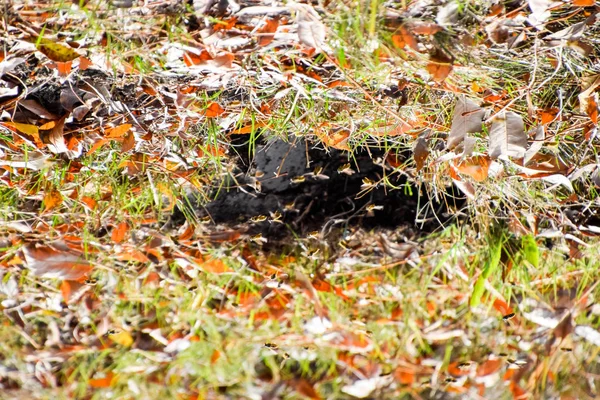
{"x":507,"y":136}
{"x":56,"y":261}
{"x":56,"y":138}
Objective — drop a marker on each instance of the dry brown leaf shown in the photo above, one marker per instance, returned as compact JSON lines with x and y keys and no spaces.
{"x":420,"y":152}
{"x":267,"y":32}
{"x":536,"y":145}
{"x":440,"y":65}
{"x":56,"y":261}
{"x":507,"y":137}
{"x":404,"y":37}
{"x":128,"y":142}
{"x":476,"y":167}
{"x":56,"y":138}
{"x":468,"y":118}
{"x":424,"y":28}
{"x":592,"y":107}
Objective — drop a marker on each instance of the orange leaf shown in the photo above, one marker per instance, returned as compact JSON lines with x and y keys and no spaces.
{"x":89,"y":202}
{"x":214,"y":266}
{"x":191,"y":58}
{"x":476,"y":167}
{"x":128,"y":142}
{"x":440,"y":65}
{"x":249,"y":128}
{"x":52,"y":199}
{"x":267,"y":32}
{"x":584,"y":3}
{"x":502,"y":307}
{"x":336,"y":83}
{"x":84,"y":63}
{"x":119,"y":232}
{"x":67,"y":288}
{"x":225,"y":25}
{"x":404,"y":37}
{"x":425,"y":28}
{"x":592,"y":108}
{"x":119,"y":131}
{"x":97,"y":145}
{"x":132,"y":255}
{"x":489,"y":367}
{"x":105,"y":382}
{"x":56,"y":261}
{"x":213,"y":110}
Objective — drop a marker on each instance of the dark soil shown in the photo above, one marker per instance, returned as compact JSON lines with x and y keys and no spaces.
{"x":297,"y":187}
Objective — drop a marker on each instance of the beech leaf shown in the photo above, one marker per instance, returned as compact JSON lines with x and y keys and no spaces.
{"x":507,"y":136}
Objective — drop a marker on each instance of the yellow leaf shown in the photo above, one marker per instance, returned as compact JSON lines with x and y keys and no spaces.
{"x":57,"y":52}
{"x":27,"y":129}
{"x":123,"y":338}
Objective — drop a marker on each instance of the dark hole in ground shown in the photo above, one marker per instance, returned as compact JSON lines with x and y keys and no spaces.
{"x":298,"y":186}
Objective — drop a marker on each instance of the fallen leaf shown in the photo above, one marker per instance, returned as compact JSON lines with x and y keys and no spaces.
{"x":468,"y":118}
{"x":507,"y":137}
{"x":119,"y":232}
{"x":425,"y":28}
{"x":56,"y":261}
{"x":404,"y":37}
{"x":213,"y":110}
{"x":52,"y":199}
{"x":118,"y":131}
{"x":267,"y":32}
{"x":440,"y":65}
{"x":540,"y":10}
{"x":592,"y":107}
{"x":128,"y":142}
{"x":56,"y":52}
{"x":56,"y":138}
{"x":27,"y":129}
{"x":100,"y":383}
{"x":420,"y":152}
{"x":311,"y":31}
{"x":584,"y":3}
{"x":122,"y":337}
{"x":476,"y":167}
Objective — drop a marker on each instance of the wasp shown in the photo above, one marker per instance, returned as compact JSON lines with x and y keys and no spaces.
{"x":345,"y":169}
{"x":258,"y":218}
{"x":276,"y":217}
{"x":258,"y":238}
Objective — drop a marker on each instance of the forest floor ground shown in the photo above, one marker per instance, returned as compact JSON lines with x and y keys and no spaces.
{"x":275,"y":199}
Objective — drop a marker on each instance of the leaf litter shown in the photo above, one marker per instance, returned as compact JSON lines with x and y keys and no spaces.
{"x":115,"y":119}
